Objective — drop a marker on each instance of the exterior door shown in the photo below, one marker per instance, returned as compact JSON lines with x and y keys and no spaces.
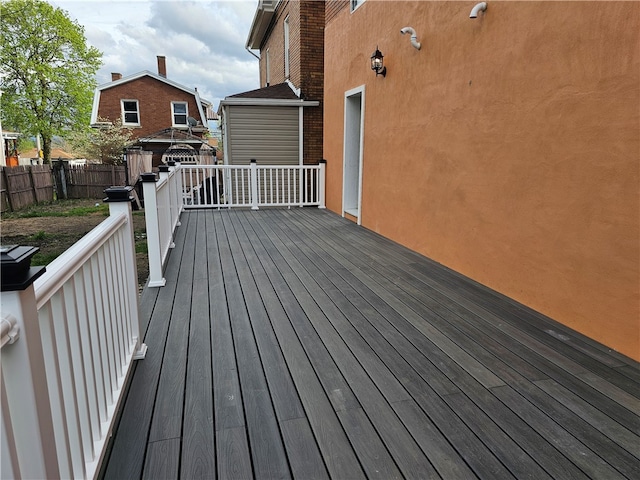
{"x":352,"y":157}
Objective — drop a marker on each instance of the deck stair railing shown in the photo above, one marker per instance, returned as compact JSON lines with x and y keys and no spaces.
{"x":70,"y":334}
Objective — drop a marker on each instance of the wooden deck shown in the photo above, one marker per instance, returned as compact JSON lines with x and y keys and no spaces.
{"x":293,"y":343}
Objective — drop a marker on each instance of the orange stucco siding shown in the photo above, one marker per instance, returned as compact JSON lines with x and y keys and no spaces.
{"x":507,"y":148}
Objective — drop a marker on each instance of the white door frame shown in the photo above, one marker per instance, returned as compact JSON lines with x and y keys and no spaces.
{"x":347,"y":144}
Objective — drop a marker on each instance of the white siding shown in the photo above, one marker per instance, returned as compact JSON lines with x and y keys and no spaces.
{"x":268,"y":134}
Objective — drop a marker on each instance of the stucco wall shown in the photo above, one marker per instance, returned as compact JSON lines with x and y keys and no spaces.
{"x":507,"y":148}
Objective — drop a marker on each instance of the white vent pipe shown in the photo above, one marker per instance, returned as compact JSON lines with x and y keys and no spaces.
{"x":414,"y":38}
{"x":479,"y":7}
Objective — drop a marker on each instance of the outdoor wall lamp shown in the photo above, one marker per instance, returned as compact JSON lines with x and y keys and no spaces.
{"x":377,"y":63}
{"x":479,"y":7}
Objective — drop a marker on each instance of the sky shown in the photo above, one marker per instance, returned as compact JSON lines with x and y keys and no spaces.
{"x":203,"y":41}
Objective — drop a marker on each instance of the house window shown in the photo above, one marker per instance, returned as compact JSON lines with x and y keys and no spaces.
{"x":286,"y":47}
{"x":356,"y":3}
{"x":130,"y":112}
{"x":180,"y":113}
{"x":267,"y":68}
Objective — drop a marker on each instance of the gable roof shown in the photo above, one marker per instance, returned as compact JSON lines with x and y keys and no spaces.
{"x":280,"y":95}
{"x":280,"y":91}
{"x":261,"y":20}
{"x":146,"y":73}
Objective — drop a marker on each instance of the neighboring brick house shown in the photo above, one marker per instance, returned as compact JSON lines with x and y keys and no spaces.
{"x":158,"y":110}
{"x":290,"y":37}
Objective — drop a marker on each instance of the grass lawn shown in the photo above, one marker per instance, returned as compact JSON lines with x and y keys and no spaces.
{"x":54,"y":227}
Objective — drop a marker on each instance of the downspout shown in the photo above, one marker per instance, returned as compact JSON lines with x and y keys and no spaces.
{"x":225,"y":135}
{"x":301,"y":135}
{"x":301,"y":152}
{"x":249,"y":50}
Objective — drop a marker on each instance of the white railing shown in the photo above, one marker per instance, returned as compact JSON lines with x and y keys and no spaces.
{"x":65,"y":367}
{"x":162,"y":206}
{"x":254,"y":186}
{"x":220,"y":186}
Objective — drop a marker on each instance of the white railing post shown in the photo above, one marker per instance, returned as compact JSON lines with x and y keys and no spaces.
{"x":322,"y":184}
{"x":164,"y":208}
{"x":301,"y":186}
{"x":153,"y":230}
{"x":174,"y":203}
{"x":254,"y":184}
{"x":26,"y":416}
{"x":119,"y":200}
{"x":179,"y":196}
{"x":170,"y":172}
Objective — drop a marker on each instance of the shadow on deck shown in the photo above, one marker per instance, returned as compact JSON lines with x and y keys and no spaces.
{"x":292,"y":343}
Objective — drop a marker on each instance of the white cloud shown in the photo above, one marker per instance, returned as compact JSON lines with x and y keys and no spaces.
{"x":203,"y":41}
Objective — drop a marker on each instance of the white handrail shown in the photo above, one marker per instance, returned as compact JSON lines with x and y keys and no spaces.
{"x":9,"y":329}
{"x":69,"y":339}
{"x":63,"y":267}
{"x":254,"y":186}
{"x":220,"y":186}
{"x":163,"y":205}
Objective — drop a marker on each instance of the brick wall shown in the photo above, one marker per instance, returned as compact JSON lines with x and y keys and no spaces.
{"x":312,"y":21}
{"x":306,"y":63}
{"x":275,"y":44}
{"x":154,"y":103}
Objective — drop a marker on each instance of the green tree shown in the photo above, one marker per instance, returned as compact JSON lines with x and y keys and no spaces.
{"x":48,"y":71}
{"x":25,"y":143}
{"x":104,"y":144}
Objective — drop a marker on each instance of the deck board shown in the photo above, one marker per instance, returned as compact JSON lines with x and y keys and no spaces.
{"x":268,"y":456}
{"x":556,"y":355}
{"x":293,"y":343}
{"x":369,"y":379}
{"x":198,"y":441}
{"x":129,"y":449}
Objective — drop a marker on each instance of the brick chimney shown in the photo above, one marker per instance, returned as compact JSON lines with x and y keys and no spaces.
{"x":115,"y":76}
{"x":162,"y":66}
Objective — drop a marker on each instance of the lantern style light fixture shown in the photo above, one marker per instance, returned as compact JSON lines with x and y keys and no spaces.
{"x":377,"y":63}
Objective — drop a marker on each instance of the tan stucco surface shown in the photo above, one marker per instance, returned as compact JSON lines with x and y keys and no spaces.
{"x":507,"y":148}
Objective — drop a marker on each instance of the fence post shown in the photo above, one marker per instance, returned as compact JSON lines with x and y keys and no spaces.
{"x":125,"y":162}
{"x":322,"y":184}
{"x":119,"y":200}
{"x":33,"y":185}
{"x":153,"y":230}
{"x":6,"y":184}
{"x":32,"y":446}
{"x":63,"y":179}
{"x":254,"y":184}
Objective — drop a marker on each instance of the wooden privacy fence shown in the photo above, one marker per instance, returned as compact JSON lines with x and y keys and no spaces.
{"x":25,"y":185}
{"x":87,"y":181}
